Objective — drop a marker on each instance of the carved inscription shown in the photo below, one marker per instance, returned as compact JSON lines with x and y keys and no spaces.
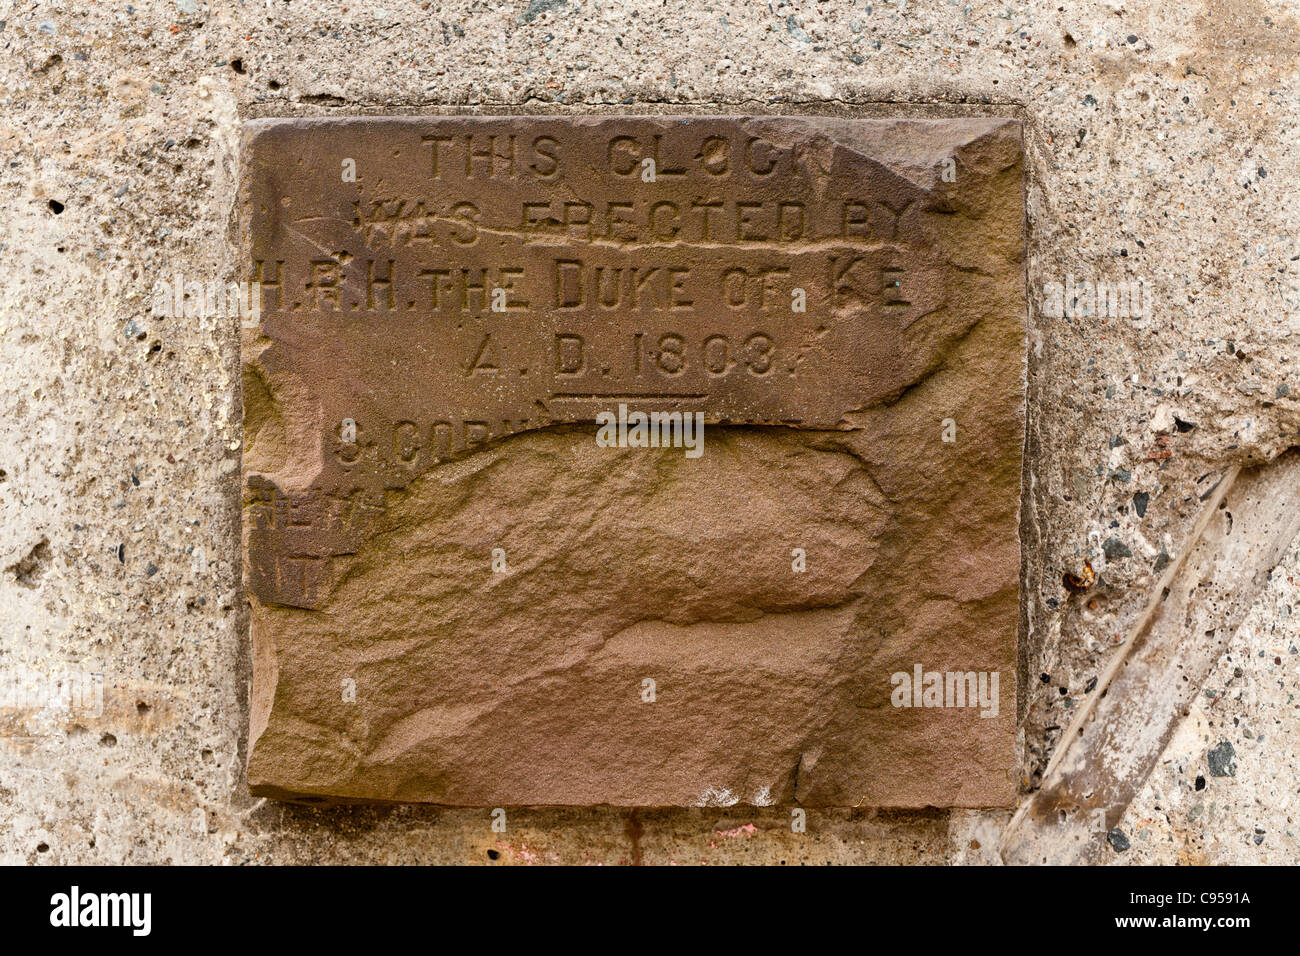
{"x":511,"y":279}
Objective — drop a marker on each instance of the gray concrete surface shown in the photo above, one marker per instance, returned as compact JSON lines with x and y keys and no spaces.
{"x":1162,"y":143}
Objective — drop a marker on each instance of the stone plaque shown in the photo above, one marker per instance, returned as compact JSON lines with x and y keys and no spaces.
{"x":646,"y":461}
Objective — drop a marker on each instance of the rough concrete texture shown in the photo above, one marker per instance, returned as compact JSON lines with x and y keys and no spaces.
{"x":1160,"y":142}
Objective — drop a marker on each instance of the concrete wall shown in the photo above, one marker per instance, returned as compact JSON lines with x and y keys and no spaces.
{"x":1161,"y":141}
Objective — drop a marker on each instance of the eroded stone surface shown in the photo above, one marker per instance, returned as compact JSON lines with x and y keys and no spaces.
{"x":369,"y":555}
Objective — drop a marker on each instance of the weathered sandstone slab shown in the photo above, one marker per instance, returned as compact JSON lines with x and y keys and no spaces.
{"x":460,"y":595}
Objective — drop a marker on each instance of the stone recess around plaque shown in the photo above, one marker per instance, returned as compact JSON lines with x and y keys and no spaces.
{"x":448,"y":302}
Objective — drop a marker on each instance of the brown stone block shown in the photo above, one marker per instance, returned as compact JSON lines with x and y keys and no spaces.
{"x":470,"y":587}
